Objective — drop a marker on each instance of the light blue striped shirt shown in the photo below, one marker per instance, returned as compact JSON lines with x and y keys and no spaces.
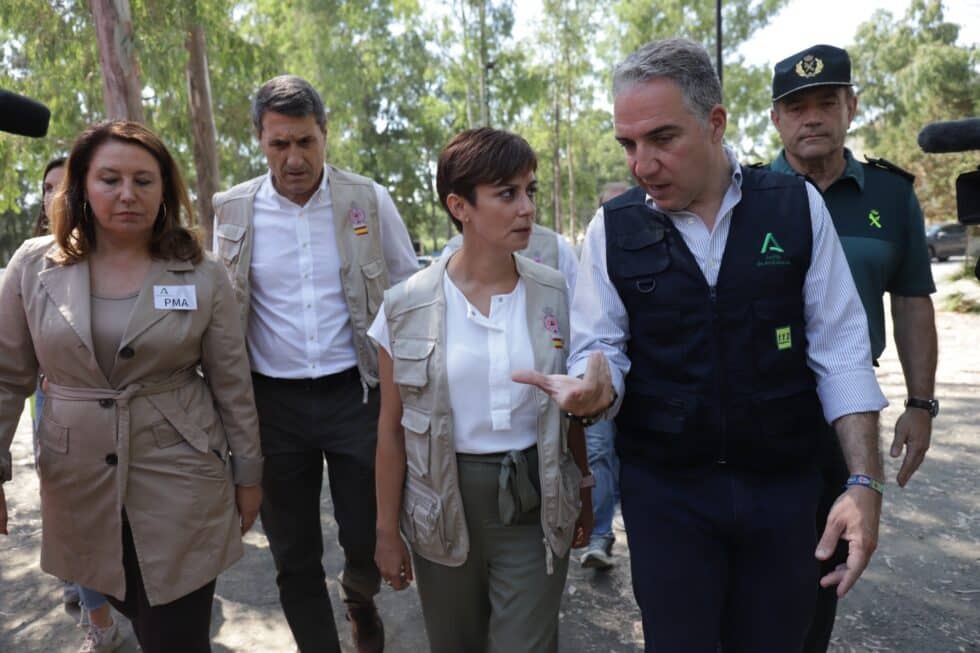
{"x":838,"y":351}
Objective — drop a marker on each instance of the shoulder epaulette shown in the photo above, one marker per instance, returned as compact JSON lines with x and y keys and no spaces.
{"x":885,"y":164}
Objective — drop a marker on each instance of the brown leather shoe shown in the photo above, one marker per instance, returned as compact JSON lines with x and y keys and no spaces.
{"x":367,"y":631}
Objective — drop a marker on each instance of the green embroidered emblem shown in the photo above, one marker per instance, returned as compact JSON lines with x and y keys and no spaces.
{"x":769,"y":244}
{"x":874,"y":218}
{"x":784,"y":338}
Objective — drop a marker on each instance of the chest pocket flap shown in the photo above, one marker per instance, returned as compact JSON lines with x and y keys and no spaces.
{"x":410,"y":360}
{"x":230,"y":238}
{"x":645,"y":252}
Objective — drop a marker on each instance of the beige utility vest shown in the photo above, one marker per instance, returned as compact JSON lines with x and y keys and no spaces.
{"x":541,"y":248}
{"x":363,"y":273}
{"x":432,"y":516}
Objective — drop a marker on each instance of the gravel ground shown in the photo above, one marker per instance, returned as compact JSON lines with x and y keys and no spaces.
{"x":921,"y":592}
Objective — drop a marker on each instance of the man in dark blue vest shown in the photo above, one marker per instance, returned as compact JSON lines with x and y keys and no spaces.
{"x":879,"y":221}
{"x":722,"y":300}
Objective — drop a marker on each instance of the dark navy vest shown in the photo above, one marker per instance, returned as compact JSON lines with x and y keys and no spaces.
{"x":718,"y":374}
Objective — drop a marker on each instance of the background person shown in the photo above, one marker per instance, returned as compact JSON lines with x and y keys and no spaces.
{"x":879,"y":221}
{"x":310,"y":249}
{"x":140,"y":499}
{"x":476,"y":468}
{"x":600,"y":440}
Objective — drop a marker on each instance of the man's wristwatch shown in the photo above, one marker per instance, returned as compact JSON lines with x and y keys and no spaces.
{"x":589,"y":420}
{"x":929,"y":405}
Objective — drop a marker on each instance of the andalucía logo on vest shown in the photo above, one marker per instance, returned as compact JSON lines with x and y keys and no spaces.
{"x":551,"y":325}
{"x":771,"y":252}
{"x":358,"y":220}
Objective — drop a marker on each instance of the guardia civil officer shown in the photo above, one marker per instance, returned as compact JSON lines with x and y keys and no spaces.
{"x":723,"y":302}
{"x":310,"y":249}
{"x":879,"y":221}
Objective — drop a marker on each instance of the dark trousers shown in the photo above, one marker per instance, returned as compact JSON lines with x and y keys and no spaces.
{"x":183,"y":625}
{"x":303,"y":423}
{"x":833,"y":472}
{"x":721,"y":555}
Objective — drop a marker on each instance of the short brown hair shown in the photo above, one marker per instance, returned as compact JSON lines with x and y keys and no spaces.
{"x":480,"y":156}
{"x":173,"y":236}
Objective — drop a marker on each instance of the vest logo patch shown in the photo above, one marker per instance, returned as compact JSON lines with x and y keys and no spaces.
{"x":358,"y":220}
{"x":552,"y":327}
{"x":874,"y":218}
{"x":784,"y":338}
{"x":772,"y":253}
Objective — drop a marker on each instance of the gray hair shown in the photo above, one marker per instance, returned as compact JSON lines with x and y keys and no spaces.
{"x":684,"y":62}
{"x":291,"y":96}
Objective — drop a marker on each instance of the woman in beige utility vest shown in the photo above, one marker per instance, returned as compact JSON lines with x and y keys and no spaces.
{"x":149,"y":455}
{"x":482,"y":475}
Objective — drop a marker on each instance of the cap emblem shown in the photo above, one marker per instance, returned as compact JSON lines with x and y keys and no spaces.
{"x":809,"y":66}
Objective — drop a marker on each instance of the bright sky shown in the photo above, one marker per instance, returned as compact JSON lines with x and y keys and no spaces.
{"x":835,"y":22}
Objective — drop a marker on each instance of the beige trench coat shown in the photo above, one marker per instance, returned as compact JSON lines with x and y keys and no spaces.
{"x":154,"y":438}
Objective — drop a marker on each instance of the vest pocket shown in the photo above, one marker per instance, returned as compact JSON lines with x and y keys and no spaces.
{"x":569,"y":493}
{"x":410,"y":361}
{"x":416,"y":426}
{"x":421,"y":517}
{"x":374,"y":286}
{"x":230,"y":238}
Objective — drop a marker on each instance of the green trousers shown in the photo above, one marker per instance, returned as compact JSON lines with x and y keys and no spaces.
{"x":501,"y":600}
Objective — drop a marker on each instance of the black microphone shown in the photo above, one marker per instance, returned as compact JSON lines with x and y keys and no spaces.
{"x":951,"y":136}
{"x":22,"y":115}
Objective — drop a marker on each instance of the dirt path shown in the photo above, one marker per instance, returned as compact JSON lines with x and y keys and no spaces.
{"x":921,"y":592}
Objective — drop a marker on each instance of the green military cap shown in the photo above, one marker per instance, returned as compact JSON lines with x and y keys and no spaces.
{"x":818,"y":65}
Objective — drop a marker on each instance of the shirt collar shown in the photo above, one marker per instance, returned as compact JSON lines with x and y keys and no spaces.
{"x":268,"y":191}
{"x":852,"y":168}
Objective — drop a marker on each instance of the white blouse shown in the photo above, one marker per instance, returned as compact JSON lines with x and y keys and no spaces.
{"x":490,"y":412}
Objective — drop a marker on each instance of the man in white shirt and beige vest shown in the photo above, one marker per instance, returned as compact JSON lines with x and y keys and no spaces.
{"x":311,"y":249}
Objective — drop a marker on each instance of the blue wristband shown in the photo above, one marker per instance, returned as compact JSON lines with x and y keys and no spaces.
{"x":866,"y":481}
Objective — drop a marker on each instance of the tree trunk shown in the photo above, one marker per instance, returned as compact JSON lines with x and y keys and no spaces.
{"x":556,"y":155}
{"x":484,"y":100}
{"x":570,"y":159}
{"x":120,"y":70}
{"x":202,"y":124}
{"x":465,"y":64}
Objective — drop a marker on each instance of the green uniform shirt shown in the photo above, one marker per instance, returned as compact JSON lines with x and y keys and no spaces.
{"x":879,"y":222}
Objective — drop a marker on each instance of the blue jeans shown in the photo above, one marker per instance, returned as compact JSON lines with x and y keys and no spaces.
{"x":605,"y":467}
{"x":90,"y":599}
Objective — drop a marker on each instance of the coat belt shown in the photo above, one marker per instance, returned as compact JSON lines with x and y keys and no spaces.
{"x":160,"y":395}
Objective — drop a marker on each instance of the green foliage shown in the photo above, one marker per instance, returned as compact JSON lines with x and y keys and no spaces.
{"x":911,"y":72}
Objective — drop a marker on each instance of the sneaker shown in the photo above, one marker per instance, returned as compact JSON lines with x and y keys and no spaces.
{"x":367,"y":631}
{"x":69,"y":593}
{"x":102,"y":640}
{"x":598,"y":555}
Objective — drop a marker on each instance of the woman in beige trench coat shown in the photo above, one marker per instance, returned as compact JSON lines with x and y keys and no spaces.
{"x":149,"y":450}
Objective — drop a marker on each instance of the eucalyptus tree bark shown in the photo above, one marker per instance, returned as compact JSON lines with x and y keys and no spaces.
{"x":556,"y":153}
{"x":484,"y":100}
{"x":202,"y":124}
{"x":570,"y":158}
{"x":122,"y":89}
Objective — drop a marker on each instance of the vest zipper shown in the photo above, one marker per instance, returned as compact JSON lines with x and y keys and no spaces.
{"x":719,"y":386}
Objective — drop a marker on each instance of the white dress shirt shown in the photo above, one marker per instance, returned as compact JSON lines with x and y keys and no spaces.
{"x":490,"y":412}
{"x":838,"y":351}
{"x":299,"y":325}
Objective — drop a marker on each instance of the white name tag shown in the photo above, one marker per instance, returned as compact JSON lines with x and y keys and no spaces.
{"x":175,"y":298}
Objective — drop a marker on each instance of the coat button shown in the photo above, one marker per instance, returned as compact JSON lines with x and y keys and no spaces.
{"x":111,"y":459}
{"x":106,"y":403}
{"x":126,"y":352}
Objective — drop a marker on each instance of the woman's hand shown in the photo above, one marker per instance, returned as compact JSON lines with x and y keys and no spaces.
{"x":393,"y":561}
{"x":248,"y":498}
{"x":585,"y":397}
{"x":585,"y":521}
